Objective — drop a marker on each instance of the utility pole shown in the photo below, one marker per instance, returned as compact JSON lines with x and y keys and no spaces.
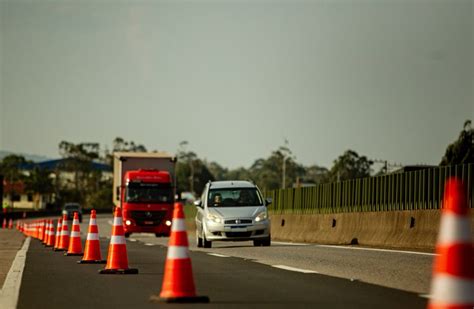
{"x":286,"y":155}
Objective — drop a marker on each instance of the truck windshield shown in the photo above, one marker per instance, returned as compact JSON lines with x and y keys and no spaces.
{"x":234,"y":197}
{"x":148,"y":193}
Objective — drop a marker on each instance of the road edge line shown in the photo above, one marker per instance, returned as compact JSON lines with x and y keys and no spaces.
{"x":10,"y":291}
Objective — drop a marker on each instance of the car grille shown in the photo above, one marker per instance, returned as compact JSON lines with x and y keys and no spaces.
{"x":238,"y":221}
{"x":148,"y":218}
{"x":238,"y":234}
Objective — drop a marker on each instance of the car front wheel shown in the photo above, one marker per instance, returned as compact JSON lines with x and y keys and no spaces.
{"x":198,"y":240}
{"x":206,"y":243}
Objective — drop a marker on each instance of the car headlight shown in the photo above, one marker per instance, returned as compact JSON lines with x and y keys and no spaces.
{"x":64,"y":212}
{"x":261,"y":216}
{"x":214,"y":218}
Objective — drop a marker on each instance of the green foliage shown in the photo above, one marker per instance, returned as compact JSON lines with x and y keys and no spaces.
{"x":350,"y":166}
{"x":9,"y":168}
{"x":192,"y":173}
{"x":461,"y":151}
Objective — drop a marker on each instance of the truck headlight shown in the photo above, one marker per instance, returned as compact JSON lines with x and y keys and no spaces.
{"x":261,"y":216}
{"x":214,"y":218}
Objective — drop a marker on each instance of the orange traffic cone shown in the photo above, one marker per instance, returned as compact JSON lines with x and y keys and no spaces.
{"x":117,"y":260}
{"x":46,"y":233}
{"x":4,"y":224}
{"x":10,"y":223}
{"x":452,"y":285}
{"x":64,"y":238}
{"x":92,"y":249}
{"x":75,"y":245}
{"x":58,"y":234}
{"x":52,"y":236}
{"x":178,"y":282}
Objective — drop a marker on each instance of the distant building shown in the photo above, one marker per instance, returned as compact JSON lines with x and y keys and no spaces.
{"x":16,"y":196}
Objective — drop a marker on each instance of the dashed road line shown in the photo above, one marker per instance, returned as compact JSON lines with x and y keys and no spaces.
{"x":377,"y":250}
{"x":218,"y":255}
{"x":305,"y":271}
{"x":149,"y":244}
{"x":290,"y":243}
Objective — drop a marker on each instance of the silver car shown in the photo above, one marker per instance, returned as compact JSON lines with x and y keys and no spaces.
{"x":232,"y":211}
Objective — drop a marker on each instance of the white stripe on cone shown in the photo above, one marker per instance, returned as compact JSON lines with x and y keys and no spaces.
{"x":177,"y":252}
{"x":454,"y":229}
{"x":178,"y":225}
{"x":92,"y":222}
{"x":446,"y":289}
{"x":75,"y":222}
{"x":75,"y":234}
{"x":92,"y":236}
{"x":117,"y":240}
{"x":118,"y":221}
{"x":64,"y":232}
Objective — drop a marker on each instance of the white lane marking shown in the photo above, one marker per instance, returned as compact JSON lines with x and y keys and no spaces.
{"x":149,"y":244}
{"x":110,"y":222}
{"x":11,"y":287}
{"x":218,"y":255}
{"x":132,"y":240}
{"x":427,"y":296}
{"x":305,"y":271}
{"x":375,"y":249}
{"x":289,"y":243}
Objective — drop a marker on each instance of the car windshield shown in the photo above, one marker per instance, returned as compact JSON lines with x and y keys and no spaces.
{"x":234,"y":197}
{"x":71,"y":207}
{"x":149,"y":193}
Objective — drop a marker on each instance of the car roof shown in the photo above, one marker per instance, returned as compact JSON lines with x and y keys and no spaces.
{"x":231,"y":184}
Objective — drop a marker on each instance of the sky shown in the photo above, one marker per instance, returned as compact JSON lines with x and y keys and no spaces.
{"x":392,"y":80}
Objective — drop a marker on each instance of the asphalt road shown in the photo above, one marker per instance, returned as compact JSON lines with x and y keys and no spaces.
{"x":51,"y":280}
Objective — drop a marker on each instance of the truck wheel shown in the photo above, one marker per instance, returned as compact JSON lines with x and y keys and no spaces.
{"x":206,"y":243}
{"x":127,"y":235}
{"x":158,"y":235}
{"x":267,"y":241}
{"x":198,"y":240}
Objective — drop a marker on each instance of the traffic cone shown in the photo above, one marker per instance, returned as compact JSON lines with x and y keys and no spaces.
{"x":92,"y":249}
{"x":10,"y":223}
{"x":43,"y":231}
{"x":58,"y":234}
{"x":46,"y":233}
{"x":178,"y":282}
{"x":452,"y":285}
{"x":117,"y":260}
{"x":75,"y":244}
{"x":52,"y":236}
{"x":64,"y":238}
{"x":4,"y":224}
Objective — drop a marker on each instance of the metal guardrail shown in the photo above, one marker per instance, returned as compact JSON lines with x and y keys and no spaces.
{"x":414,"y":190}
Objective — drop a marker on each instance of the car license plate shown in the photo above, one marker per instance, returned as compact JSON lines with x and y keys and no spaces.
{"x":148,"y":222}
{"x":238,"y":227}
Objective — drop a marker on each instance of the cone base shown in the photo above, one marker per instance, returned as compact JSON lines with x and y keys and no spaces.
{"x":182,"y":300}
{"x":57,"y":249}
{"x":128,"y":271}
{"x":73,"y":254}
{"x":92,"y":262}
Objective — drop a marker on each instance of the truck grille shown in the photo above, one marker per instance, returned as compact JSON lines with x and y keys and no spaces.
{"x":148,"y":218}
{"x":238,"y":234}
{"x":238,"y":221}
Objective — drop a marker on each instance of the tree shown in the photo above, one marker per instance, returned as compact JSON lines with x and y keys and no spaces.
{"x":349,"y":166}
{"x":461,"y":151}
{"x":39,"y":183}
{"x":10,"y":169}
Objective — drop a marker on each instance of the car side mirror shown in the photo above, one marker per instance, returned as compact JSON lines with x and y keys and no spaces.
{"x":198,"y":203}
{"x":268,"y":201}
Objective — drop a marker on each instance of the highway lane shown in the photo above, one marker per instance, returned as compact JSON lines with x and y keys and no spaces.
{"x":389,"y":268}
{"x":51,"y":280}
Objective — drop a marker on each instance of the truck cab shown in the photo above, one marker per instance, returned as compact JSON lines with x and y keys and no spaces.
{"x":144,"y":189}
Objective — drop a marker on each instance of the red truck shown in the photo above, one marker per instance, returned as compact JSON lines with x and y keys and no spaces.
{"x":144,"y":187}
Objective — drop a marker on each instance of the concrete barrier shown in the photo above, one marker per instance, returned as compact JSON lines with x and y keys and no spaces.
{"x":416,"y":229}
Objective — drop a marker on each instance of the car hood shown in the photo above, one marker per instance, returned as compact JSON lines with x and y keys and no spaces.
{"x":237,"y":212}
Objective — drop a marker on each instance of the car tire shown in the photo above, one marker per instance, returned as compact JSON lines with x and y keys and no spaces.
{"x":257,"y":243}
{"x":198,"y":240}
{"x":206,"y":243}
{"x":267,"y":241}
